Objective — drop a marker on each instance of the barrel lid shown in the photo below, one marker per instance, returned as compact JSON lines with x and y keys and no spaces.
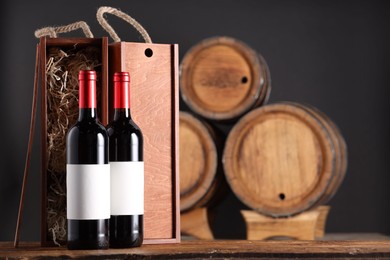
{"x":279,"y":160}
{"x":222,"y":78}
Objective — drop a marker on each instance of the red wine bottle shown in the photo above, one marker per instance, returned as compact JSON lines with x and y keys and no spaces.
{"x":87,"y":173}
{"x":127,"y":170}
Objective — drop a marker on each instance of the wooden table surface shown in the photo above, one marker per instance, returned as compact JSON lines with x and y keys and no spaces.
{"x":235,"y":249}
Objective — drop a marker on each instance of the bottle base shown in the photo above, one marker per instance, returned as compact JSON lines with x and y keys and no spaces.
{"x":126,"y":244}
{"x":126,"y":231}
{"x":86,"y":245}
{"x":88,"y":234}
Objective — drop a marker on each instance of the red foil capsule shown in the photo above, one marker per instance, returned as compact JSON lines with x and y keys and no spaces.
{"x":122,"y":90}
{"x":87,"y":89}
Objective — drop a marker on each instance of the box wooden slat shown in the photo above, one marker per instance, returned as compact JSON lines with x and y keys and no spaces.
{"x":154,"y":108}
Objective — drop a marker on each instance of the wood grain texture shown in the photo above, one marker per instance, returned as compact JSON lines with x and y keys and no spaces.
{"x":198,"y":162}
{"x":229,"y":249}
{"x":196,"y":224}
{"x":321,"y":221}
{"x":279,"y":160}
{"x":340,"y":150}
{"x":222,"y":78}
{"x":308,"y":225}
{"x":154,"y":108}
{"x":260,"y":227}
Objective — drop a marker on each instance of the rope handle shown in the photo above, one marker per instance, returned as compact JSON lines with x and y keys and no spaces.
{"x":52,"y":31}
{"x":110,"y":10}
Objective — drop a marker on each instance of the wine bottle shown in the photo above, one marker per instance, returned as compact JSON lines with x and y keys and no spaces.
{"x":127,"y":170}
{"x":87,"y":173}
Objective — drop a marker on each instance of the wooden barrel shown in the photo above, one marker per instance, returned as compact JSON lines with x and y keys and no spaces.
{"x":222,"y":78}
{"x":200,"y":179}
{"x":284,"y":158}
{"x":340,"y":148}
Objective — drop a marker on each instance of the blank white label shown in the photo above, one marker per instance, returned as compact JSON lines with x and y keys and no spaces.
{"x":127,"y":188}
{"x":88,"y":191}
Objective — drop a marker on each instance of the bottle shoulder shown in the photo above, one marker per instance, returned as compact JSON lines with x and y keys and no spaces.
{"x":123,"y":127}
{"x":87,"y":128}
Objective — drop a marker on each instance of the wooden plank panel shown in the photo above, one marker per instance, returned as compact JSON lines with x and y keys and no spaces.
{"x":215,"y":249}
{"x":154,"y":106}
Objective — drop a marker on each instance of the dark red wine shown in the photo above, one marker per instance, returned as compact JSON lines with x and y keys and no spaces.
{"x":87,"y":173}
{"x":127,"y":170}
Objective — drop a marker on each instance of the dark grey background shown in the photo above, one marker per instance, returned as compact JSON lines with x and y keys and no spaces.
{"x":330,"y":54}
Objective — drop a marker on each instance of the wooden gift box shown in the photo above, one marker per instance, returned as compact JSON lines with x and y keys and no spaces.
{"x":154,"y":105}
{"x":158,"y":120}
{"x":65,"y":44}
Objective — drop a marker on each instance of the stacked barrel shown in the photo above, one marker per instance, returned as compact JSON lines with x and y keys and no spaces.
{"x":279,"y":159}
{"x":202,"y":181}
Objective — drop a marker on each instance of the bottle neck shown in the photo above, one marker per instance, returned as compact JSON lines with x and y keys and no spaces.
{"x":122,"y":113}
{"x":87,"y":99}
{"x":122,"y":100}
{"x":87,"y":114}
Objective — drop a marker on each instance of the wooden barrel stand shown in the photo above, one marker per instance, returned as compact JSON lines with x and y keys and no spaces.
{"x":196,"y":224}
{"x":305,"y":226}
